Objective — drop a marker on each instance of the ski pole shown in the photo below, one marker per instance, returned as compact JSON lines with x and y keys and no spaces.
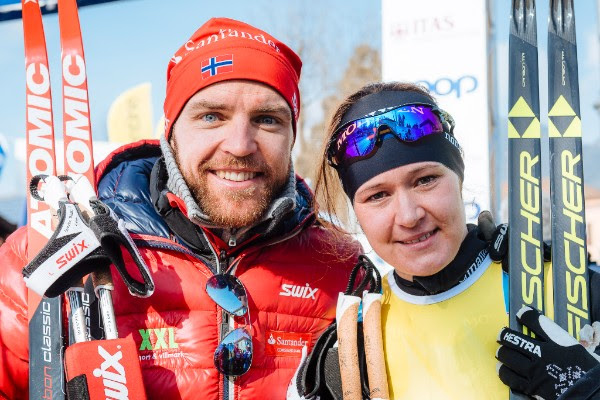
{"x":103,"y":286}
{"x":347,"y":319}
{"x":378,"y":387}
{"x":82,"y":193}
{"x":55,"y":192}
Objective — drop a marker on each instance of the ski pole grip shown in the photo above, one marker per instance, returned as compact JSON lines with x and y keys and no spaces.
{"x":378,"y":387}
{"x":102,"y":279}
{"x":347,"y":327}
{"x":72,"y":252}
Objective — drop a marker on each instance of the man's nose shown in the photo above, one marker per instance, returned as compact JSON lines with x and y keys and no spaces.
{"x":240,"y":138}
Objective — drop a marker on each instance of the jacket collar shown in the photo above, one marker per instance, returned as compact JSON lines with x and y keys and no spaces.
{"x":183,"y":214}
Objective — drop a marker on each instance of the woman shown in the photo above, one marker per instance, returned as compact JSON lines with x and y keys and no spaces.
{"x":395,"y":155}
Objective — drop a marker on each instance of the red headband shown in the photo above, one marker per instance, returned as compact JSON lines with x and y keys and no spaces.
{"x":225,"y":49}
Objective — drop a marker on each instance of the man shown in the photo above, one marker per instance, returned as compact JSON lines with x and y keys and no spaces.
{"x":218,"y":196}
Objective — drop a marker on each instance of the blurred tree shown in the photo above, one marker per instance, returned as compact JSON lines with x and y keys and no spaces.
{"x":306,"y":27}
{"x":363,"y":67}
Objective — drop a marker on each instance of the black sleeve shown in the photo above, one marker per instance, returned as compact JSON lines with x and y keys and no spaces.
{"x":594,"y":292}
{"x":586,"y":388}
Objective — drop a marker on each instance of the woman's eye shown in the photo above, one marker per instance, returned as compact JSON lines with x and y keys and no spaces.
{"x":426,"y":180}
{"x":376,"y":196}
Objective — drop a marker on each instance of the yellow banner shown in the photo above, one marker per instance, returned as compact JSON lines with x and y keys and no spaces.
{"x":130,"y":115}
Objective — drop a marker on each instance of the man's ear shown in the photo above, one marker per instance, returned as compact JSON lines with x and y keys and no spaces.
{"x":172,"y":139}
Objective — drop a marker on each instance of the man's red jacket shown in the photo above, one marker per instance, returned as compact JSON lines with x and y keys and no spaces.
{"x":292,"y":275}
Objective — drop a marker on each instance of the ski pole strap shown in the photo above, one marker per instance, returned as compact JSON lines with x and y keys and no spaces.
{"x":77,"y":249}
{"x":113,"y":236}
{"x":77,"y":388}
{"x":371,"y":277}
{"x":72,"y":252}
{"x":311,"y":379}
{"x":320,"y":374}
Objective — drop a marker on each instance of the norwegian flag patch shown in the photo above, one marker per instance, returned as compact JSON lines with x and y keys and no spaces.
{"x":217,"y":65}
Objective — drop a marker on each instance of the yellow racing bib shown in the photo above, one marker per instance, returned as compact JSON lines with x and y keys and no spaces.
{"x":443,"y":346}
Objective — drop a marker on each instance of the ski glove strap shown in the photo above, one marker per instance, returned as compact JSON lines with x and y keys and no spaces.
{"x":78,"y":248}
{"x":544,"y":366}
{"x":113,"y":236}
{"x":72,"y":252}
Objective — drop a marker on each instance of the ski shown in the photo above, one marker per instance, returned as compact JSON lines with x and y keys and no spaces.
{"x":77,"y":133}
{"x":47,"y":377}
{"x":46,"y":370}
{"x":569,"y":250}
{"x":526,"y":263}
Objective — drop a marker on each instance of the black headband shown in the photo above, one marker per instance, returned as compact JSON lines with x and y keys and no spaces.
{"x":393,"y":153}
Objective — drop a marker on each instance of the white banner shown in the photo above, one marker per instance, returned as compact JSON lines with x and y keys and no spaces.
{"x":443,"y":45}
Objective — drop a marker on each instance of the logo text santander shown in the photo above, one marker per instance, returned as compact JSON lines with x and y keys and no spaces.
{"x":113,"y":375}
{"x":40,"y":139}
{"x":286,"y":344}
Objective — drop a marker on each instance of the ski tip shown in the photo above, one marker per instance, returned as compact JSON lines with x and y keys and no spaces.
{"x":562,"y":19}
{"x":523,"y":20}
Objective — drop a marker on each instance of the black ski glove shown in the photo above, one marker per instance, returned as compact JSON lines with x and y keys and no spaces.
{"x":545,"y":366}
{"x":497,"y":238}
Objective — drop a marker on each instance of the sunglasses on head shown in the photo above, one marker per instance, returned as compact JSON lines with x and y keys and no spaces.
{"x":359,"y":139}
{"x":233,"y":355}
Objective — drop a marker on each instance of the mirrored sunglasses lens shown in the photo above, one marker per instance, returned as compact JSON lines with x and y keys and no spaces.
{"x":229,"y":293}
{"x":362,"y":140}
{"x":233,"y":357}
{"x":411,"y":123}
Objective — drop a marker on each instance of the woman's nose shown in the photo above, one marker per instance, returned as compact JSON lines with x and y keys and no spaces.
{"x":408,"y":210}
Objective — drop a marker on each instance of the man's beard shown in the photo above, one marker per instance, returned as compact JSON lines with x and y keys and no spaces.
{"x":234,"y":208}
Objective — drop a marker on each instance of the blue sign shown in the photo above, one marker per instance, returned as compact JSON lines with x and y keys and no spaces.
{"x":11,"y":9}
{"x":450,"y":86}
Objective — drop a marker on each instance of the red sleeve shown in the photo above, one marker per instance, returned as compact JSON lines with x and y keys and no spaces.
{"x":14,"y":343}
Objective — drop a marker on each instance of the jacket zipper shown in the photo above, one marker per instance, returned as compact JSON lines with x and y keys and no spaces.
{"x":226,"y":325}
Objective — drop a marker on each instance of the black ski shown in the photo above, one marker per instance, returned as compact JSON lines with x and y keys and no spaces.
{"x":526,"y":274}
{"x":569,"y":250}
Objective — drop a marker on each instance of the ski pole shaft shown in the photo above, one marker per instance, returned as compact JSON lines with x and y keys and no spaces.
{"x":77,"y":314}
{"x":103,"y":285}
